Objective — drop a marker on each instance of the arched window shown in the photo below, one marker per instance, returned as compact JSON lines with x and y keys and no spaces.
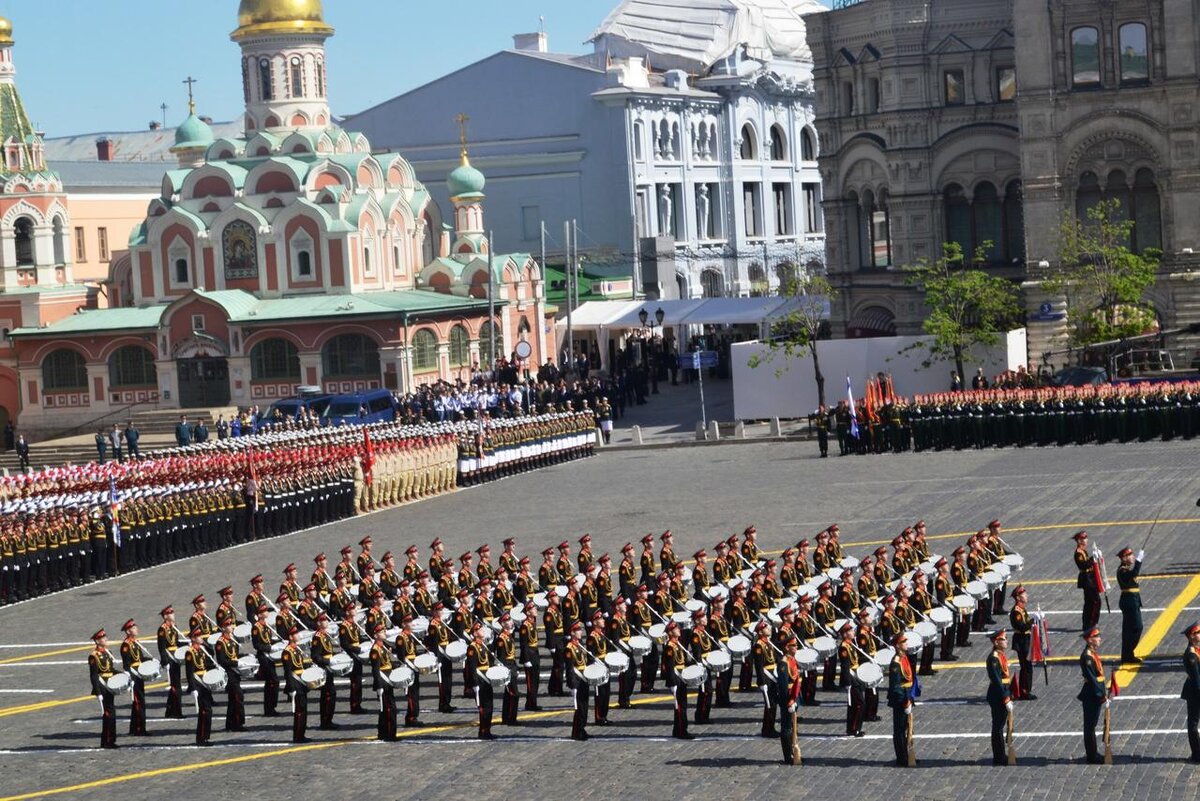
{"x":879,"y":232}
{"x":60,"y":241}
{"x":274,"y":360}
{"x":712,"y":284}
{"x":23,"y":236}
{"x":304,"y":264}
{"x":778,"y":144}
{"x":1085,"y":57}
{"x":350,"y":356}
{"x":787,"y":274}
{"x":296,"y":74}
{"x":460,"y":346}
{"x":266,"y":92}
{"x":487,"y":332}
{"x":749,"y":149}
{"x":368,"y":267}
{"x":1135,"y":61}
{"x":320,"y":78}
{"x":989,"y":225}
{"x":958,"y":218}
{"x":64,"y":370}
{"x":132,"y":366}
{"x":1147,"y":228}
{"x":639,"y":148}
{"x":424,"y":351}
{"x":1014,"y":223}
{"x":758,"y":280}
{"x":1087,"y":195}
{"x":808,"y":146}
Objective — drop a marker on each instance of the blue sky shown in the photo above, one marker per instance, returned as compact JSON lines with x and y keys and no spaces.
{"x":85,"y":66}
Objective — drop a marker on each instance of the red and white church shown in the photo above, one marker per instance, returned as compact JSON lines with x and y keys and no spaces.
{"x":291,"y":256}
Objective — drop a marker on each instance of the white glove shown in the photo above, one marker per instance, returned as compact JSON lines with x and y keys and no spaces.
{"x":1009,"y":706}
{"x":908,"y":709}
{"x":1107,"y":703}
{"x":1140,"y":554}
{"x":791,"y":708}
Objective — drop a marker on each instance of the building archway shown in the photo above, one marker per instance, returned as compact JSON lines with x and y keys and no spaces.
{"x":871,"y":321}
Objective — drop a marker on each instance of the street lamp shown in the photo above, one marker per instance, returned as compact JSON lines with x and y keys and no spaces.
{"x":643,"y":315}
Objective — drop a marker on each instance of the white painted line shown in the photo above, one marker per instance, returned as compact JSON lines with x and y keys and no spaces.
{"x":43,"y":644}
{"x":39,"y":663}
{"x":26,"y":691}
{"x":1017,"y":736}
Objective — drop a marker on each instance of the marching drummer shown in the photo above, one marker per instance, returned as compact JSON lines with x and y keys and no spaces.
{"x":943,"y":594}
{"x":322,"y":649}
{"x":506,"y":654}
{"x":718,"y":627}
{"x":701,"y":644}
{"x":131,"y":659}
{"x":995,"y":544}
{"x":226,"y":651}
{"x":531,"y":658}
{"x":168,"y":642}
{"x":101,"y":669}
{"x":381,"y":667}
{"x":197,"y":664}
{"x":576,"y":662}
{"x":479,"y":659}
{"x":865,"y":639}
{"x":675,"y":659}
{"x":437,"y":638}
{"x":765,"y":669}
{"x":262,"y":638}
{"x":597,"y":646}
{"x":405,"y":649}
{"x":294,"y":663}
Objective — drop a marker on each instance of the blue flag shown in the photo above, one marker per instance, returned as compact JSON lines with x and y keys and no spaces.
{"x":915,"y":692}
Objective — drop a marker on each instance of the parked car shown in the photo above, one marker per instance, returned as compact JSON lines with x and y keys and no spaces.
{"x":290,"y":408}
{"x":1079,"y":377}
{"x":373,"y":406}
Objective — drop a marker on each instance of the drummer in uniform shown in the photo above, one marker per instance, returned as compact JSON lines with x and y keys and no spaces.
{"x":626,"y":574}
{"x":765,"y":672}
{"x":200,"y":619}
{"x":848,"y":659}
{"x":553,"y":623}
{"x":381,"y":667}
{"x":530,"y":654}
{"x":168,"y":642}
{"x":701,"y":642}
{"x":437,"y":637}
{"x":262,"y":637}
{"x":825,"y":613}
{"x":225,"y":611}
{"x":999,"y":695}
{"x":479,"y":659}
{"x":197,"y":662}
{"x":226,"y":651}
{"x":619,"y":633}
{"x":506,"y":648}
{"x":255,"y":598}
{"x":865,"y":639}
{"x":101,"y":669}
{"x":675,"y":659}
{"x":405,"y":649}
{"x":597,"y":646}
{"x":960,"y":577}
{"x":508,"y":558}
{"x":295,"y":663}
{"x":322,"y":649}
{"x":718,"y":627}
{"x":576,"y":662}
{"x":943,"y":594}
{"x":647,"y":562}
{"x":1022,"y":624}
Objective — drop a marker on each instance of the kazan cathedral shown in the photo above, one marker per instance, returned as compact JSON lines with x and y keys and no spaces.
{"x":291,"y":256}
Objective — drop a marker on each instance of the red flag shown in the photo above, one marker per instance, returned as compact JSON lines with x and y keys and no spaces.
{"x":1113,"y":688}
{"x":1015,"y":689}
{"x":1036,"y":654}
{"x":368,"y":455}
{"x":1099,"y":576}
{"x":250,"y":463}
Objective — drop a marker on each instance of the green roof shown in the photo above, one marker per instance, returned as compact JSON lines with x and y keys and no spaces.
{"x":98,"y":320}
{"x":235,"y":302}
{"x":556,"y":290}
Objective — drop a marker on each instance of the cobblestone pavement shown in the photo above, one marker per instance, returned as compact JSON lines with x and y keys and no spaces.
{"x":49,"y":727}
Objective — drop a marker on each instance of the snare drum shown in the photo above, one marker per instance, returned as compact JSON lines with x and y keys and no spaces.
{"x":242,"y":631}
{"x":304,"y":638}
{"x":213,"y":639}
{"x":179,"y":654}
{"x":313,"y":678}
{"x":341,"y":664}
{"x":364,"y":652}
{"x":717,"y":591}
{"x":118,"y":682}
{"x":617,"y":662}
{"x":718,"y":661}
{"x":517,"y":615}
{"x":807,"y":659}
{"x":992,"y":579}
{"x":276,"y":652}
{"x":682,"y":619}
{"x":977,"y":590}
{"x":150,"y":670}
{"x":835,"y":574}
{"x":425,"y":664}
{"x":578,"y":580}
{"x":912,"y":641}
{"x":693,"y":675}
{"x":247,"y":666}
{"x":927,"y":630}
{"x":488,"y":634}
{"x":639,"y":646}
{"x":695,"y":605}
{"x":456,"y":652}
{"x":942,"y":617}
{"x":401,"y":678}
{"x":539,"y":600}
{"x":216,"y":679}
{"x":419,"y":625}
{"x":746,"y":574}
{"x":825,"y":647}
{"x":849,"y":563}
{"x":658,"y":633}
{"x":807,"y":591}
{"x":739,"y":647}
{"x":965,"y":604}
{"x":1015,"y":562}
{"x":1002,"y":569}
{"x":870,"y":674}
{"x":596,"y":674}
{"x":498,"y":676}
{"x":561,"y":590}
{"x":884,"y":656}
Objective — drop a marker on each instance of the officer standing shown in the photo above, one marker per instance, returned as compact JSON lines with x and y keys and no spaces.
{"x":1094,"y":693}
{"x":1086,"y":564}
{"x":1191,"y":688}
{"x":999,"y":696}
{"x":1130,"y":604}
{"x":900,"y":685}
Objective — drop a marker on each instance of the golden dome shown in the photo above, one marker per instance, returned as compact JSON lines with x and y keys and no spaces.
{"x":259,"y":17}
{"x":5,"y":31}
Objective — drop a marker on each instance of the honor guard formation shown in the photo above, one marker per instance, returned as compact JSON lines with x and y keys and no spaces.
{"x":65,"y":526}
{"x":1012,"y":418}
{"x":813,"y":621}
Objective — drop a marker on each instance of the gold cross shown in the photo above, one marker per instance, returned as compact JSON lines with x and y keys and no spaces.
{"x":462,"y":120}
{"x":191,"y":102}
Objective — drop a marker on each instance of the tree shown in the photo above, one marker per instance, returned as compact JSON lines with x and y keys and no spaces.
{"x":795,"y":335}
{"x":1105,"y":282}
{"x":968,"y":307}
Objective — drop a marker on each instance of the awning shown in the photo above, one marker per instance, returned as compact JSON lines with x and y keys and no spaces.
{"x":621,"y":314}
{"x":599,"y":313}
{"x":674,"y":312}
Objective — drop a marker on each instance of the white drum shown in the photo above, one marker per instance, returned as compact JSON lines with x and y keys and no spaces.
{"x":739,"y":647}
{"x":617,"y":662}
{"x":807,"y":659}
{"x":456,"y":652}
{"x":927,"y":630}
{"x":837,"y":625}
{"x":693,"y":675}
{"x":247,"y":666}
{"x":717,"y":591}
{"x":894,"y":585}
{"x":912,"y":641}
{"x":774,"y":618}
{"x":213,"y":638}
{"x":150,"y":670}
{"x":401,"y":678}
{"x":539,"y":600}
{"x":364,"y":652}
{"x":242,"y":631}
{"x":118,"y":682}
{"x":1002,"y":569}
{"x":639,"y":645}
{"x":488,"y":635}
{"x":977,"y":590}
{"x":1015,"y":562}
{"x":390,"y":634}
{"x":658,"y":632}
{"x":849,"y":563}
{"x":835,"y":574}
{"x":304,"y":638}
{"x":884,"y":656}
{"x":517,"y":615}
{"x":425,"y":664}
{"x":965,"y":604}
{"x":419,"y":625}
{"x":695,"y":605}
{"x":341,"y":664}
{"x":215,"y":679}
{"x":825,"y":647}
{"x":873,"y":612}
{"x":313,"y":678}
{"x":179,"y":654}
{"x":682,"y":619}
{"x":807,"y":591}
{"x":870,"y":674}
{"x":561,"y":590}
{"x":578,"y":580}
{"x":718,"y":661}
{"x":331,"y":628}
{"x":992,"y":579}
{"x":498,"y":676}
{"x":942,"y":617}
{"x":746,"y":574}
{"x":596,"y":674}
{"x":276,"y":652}
{"x":928,"y":567}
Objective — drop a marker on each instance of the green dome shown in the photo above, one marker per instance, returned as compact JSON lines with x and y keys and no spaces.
{"x":466,"y":181}
{"x":192,"y":133}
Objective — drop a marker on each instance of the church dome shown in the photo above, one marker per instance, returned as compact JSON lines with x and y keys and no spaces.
{"x":465,"y":181}
{"x":259,"y":17}
{"x":192,"y":133}
{"x":5,"y":31}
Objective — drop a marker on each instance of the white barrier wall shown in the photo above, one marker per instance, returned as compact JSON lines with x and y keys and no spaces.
{"x":779,"y":387}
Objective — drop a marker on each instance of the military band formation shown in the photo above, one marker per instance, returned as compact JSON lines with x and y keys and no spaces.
{"x":782,"y":628}
{"x":1011,"y":418}
{"x":66,"y":526}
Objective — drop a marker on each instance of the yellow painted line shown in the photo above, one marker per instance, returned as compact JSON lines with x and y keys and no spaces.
{"x":40,"y":705}
{"x":1154,"y":577}
{"x":938,"y":667}
{"x":1162,"y":626}
{"x":29,"y":657}
{"x":286,"y":751}
{"x":1027,"y":529}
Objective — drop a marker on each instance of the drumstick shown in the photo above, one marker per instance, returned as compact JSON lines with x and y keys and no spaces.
{"x":1152,"y":527}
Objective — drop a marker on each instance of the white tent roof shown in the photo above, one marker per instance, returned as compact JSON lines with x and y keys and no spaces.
{"x":597,"y":313}
{"x":618,"y":314}
{"x":731,"y":311}
{"x":703,"y":32}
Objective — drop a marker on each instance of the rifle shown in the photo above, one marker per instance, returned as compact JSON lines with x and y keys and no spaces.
{"x":1041,"y":623}
{"x":912,"y":754}
{"x":795,"y":740}
{"x":1012,"y":754}
{"x":1107,"y":735}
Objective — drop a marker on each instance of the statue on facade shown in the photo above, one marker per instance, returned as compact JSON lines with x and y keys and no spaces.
{"x":703,"y":211}
{"x":666,"y":217}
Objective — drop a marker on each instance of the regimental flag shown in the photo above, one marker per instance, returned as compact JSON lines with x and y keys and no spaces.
{"x":853,"y":411}
{"x":1098,"y":573}
{"x":915,"y":692}
{"x":114,"y":508}
{"x":368,"y":455}
{"x":1114,"y":689}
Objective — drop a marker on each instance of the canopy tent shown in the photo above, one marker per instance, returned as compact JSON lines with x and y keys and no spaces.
{"x":623,"y":314}
{"x":599,"y":313}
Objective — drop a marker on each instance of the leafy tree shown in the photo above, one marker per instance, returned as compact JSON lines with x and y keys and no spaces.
{"x":795,"y":335}
{"x":1105,"y":282}
{"x":968,"y":307}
